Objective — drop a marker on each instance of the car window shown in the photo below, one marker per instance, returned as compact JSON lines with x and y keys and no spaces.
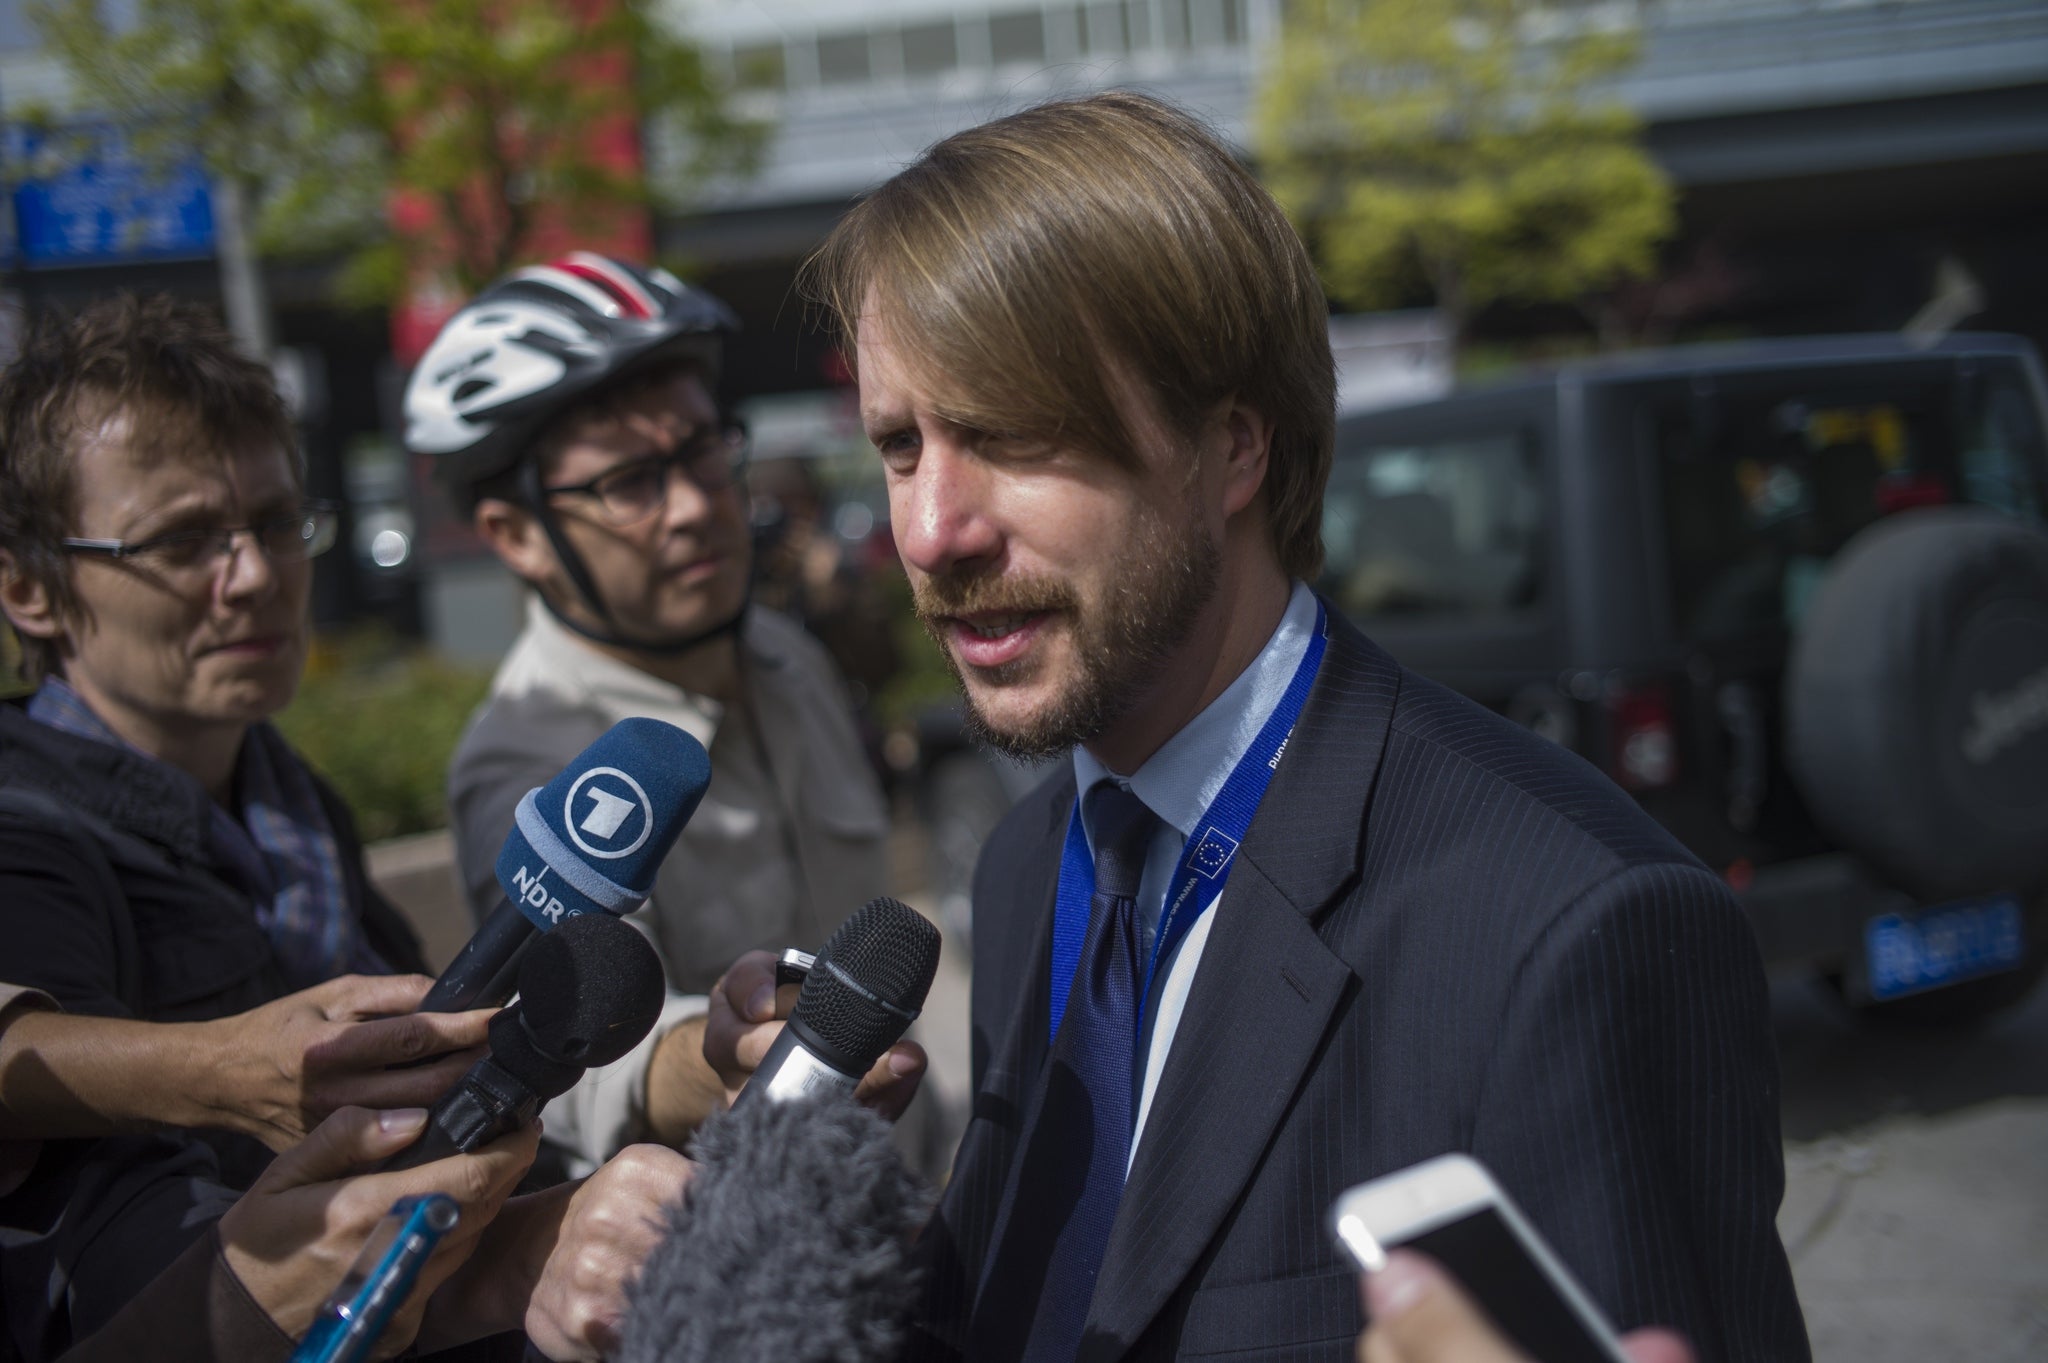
{"x":2002,"y":452}
{"x":1442,"y":528}
{"x":1764,"y":483}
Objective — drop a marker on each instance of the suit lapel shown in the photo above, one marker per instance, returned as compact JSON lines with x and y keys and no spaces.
{"x":1261,"y":1001}
{"x":1014,"y":957}
{"x":1027,"y":935}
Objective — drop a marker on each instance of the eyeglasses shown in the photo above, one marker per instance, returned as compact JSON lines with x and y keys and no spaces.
{"x":300,"y":534}
{"x":712,"y":460}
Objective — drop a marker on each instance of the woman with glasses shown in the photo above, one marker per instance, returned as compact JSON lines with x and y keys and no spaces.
{"x":171,"y":873}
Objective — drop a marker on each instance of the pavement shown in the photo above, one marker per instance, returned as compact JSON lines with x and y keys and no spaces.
{"x":417,"y":874}
{"x":1921,"y":1238}
{"x":1916,"y":1199}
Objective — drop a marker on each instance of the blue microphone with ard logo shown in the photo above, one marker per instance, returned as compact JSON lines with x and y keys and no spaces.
{"x":589,"y":841}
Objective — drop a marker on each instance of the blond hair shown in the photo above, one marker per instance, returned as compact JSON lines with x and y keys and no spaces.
{"x":1033,"y":267}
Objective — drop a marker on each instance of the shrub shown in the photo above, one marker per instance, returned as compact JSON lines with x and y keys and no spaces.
{"x":380,"y":722}
{"x":922,"y":680}
{"x":12,"y":683}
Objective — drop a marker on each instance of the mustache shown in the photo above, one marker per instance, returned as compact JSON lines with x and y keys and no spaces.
{"x":974,"y":593}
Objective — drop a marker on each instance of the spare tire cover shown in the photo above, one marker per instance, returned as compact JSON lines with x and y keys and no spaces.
{"x":1916,"y":701}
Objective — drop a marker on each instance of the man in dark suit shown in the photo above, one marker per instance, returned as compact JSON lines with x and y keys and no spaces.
{"x":1293,"y":917}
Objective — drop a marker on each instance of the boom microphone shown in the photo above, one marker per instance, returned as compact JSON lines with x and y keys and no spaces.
{"x":862,"y":994}
{"x":589,"y":841}
{"x":588,"y":993}
{"x":790,"y":1246}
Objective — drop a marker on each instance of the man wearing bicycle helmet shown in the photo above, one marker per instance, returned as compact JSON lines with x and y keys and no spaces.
{"x":570,"y":410}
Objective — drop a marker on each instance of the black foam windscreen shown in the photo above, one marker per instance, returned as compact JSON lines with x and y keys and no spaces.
{"x":513,"y":1051}
{"x":590,"y":990}
{"x":791,"y":1244}
{"x":870,"y":980}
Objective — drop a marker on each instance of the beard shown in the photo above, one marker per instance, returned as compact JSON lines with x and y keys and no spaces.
{"x":1158,"y":584}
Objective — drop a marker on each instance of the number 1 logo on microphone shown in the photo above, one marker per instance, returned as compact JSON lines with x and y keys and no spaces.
{"x":607,"y":814}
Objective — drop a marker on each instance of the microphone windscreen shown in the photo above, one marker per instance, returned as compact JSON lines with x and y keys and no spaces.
{"x":869,"y":981}
{"x":791,"y":1244}
{"x":590,"y":990}
{"x":590,"y":840}
{"x":513,"y":1051}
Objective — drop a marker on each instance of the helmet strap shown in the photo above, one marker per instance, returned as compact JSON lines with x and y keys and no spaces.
{"x":586,"y":587}
{"x":666,"y":648}
{"x":565,"y":552}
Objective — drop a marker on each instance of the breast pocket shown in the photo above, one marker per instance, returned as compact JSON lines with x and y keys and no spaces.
{"x":847,"y":861}
{"x":727,"y":888}
{"x":1310,"y":1318}
{"x":843,"y":832}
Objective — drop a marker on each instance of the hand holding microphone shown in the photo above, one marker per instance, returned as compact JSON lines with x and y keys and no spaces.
{"x":355,"y":1041}
{"x":588,"y":993}
{"x":845,"y":1021}
{"x":790,"y":1243}
{"x":296,"y":1231}
{"x":272,"y":1072}
{"x":610,"y":1227}
{"x":569,"y":1255}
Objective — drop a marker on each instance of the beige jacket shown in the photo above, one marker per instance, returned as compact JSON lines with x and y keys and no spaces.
{"x":778,"y":853}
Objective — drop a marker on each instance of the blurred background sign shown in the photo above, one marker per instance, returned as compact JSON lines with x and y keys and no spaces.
{"x":85,"y":199}
{"x":1387,"y":358}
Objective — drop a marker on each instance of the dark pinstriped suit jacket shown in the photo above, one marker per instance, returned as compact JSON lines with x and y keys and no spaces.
{"x":1442,"y":933}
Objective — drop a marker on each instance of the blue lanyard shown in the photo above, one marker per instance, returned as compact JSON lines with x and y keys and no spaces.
{"x":1205,"y":862}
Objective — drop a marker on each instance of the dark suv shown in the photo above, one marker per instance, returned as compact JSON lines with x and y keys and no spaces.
{"x":1793,"y":595}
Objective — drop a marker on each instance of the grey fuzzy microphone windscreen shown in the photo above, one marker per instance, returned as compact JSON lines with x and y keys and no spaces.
{"x":791,"y":1244}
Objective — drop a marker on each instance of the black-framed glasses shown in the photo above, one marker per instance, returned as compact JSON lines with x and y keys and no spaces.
{"x":713,"y":460}
{"x":302,"y":533}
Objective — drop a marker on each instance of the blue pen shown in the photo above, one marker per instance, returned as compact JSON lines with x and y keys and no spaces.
{"x":379,"y":1281}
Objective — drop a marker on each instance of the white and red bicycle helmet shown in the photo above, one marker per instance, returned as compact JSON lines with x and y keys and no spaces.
{"x":525,"y":349}
{"x":538,"y":340}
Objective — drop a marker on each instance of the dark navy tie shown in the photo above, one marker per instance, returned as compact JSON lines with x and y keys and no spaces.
{"x":1071,"y":1175}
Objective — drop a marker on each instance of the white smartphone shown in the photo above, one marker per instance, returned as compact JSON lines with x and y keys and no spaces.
{"x":1451,"y":1209}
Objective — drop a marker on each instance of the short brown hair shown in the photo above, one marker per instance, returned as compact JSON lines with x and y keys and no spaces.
{"x":1033,"y":262}
{"x":172,"y":362}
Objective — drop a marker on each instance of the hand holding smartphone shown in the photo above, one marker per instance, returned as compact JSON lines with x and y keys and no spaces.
{"x":1451,"y":1209}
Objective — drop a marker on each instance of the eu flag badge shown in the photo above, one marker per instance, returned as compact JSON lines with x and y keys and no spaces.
{"x":1213,"y":852}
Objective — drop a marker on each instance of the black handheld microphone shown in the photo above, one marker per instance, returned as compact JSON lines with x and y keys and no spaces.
{"x":865,"y":990}
{"x":589,"y":841}
{"x":588,"y":992}
{"x":791,"y":1244}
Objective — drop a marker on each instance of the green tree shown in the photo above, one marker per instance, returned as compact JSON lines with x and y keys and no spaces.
{"x":418,"y":137}
{"x":1470,"y":148}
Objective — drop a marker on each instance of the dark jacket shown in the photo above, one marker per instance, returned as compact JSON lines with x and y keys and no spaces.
{"x":111,"y":900}
{"x":197,"y":1311}
{"x":1442,"y":933}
